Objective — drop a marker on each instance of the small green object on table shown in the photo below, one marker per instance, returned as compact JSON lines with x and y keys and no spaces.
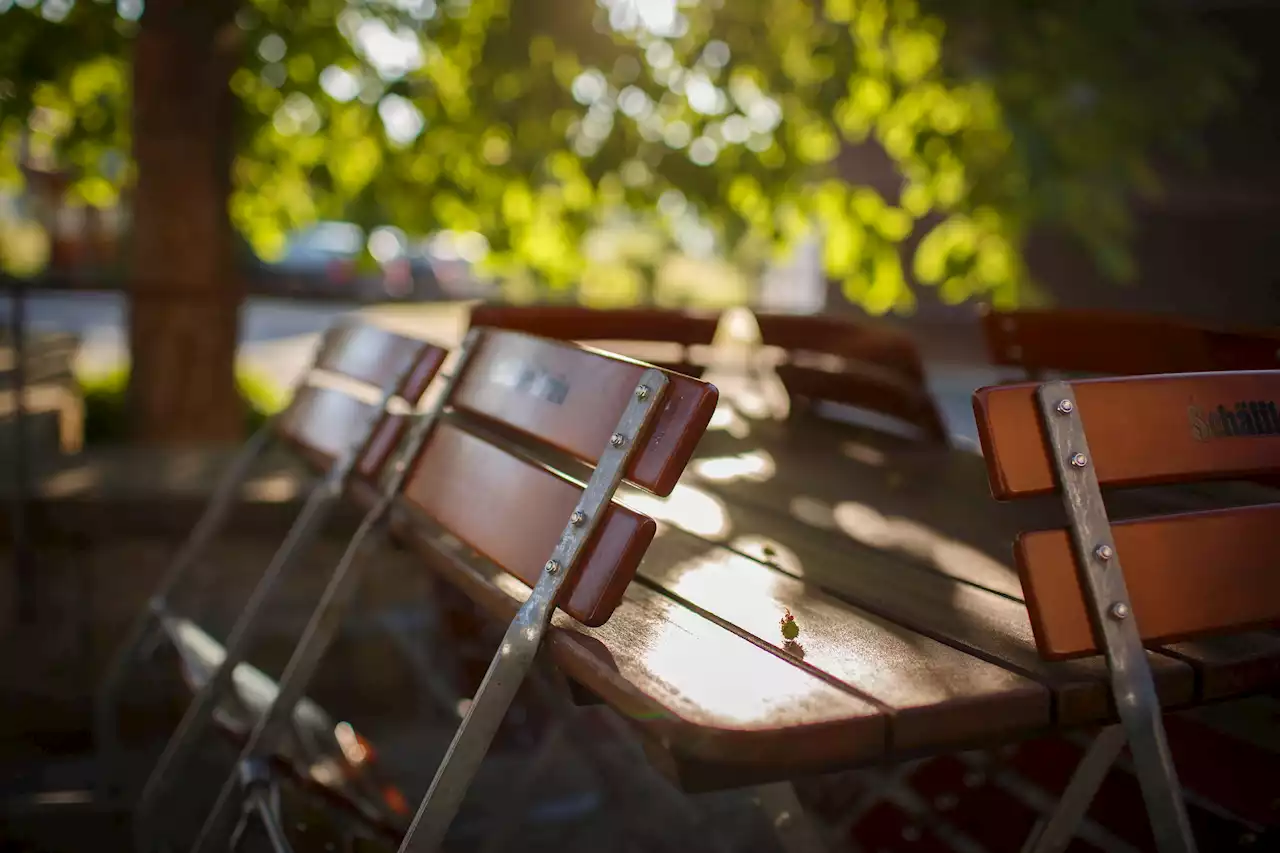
{"x":790,"y":630}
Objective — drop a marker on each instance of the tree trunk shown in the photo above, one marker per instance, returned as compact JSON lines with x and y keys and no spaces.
{"x":186,"y":292}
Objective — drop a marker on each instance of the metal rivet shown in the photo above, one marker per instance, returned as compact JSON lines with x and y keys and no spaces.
{"x":642,"y":392}
{"x":1119,"y":611}
{"x":552,"y":567}
{"x":1066,"y":407}
{"x":946,"y":802}
{"x":400,"y":466}
{"x":578,"y":517}
{"x":330,"y":847}
{"x":617,"y":440}
{"x":1079,"y":460}
{"x":783,"y":820}
{"x":1104,"y":552}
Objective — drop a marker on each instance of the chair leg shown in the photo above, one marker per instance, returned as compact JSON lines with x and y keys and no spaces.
{"x":323,"y":625}
{"x":145,"y":627}
{"x":199,"y":712}
{"x":1056,"y":833}
{"x":793,"y":828}
{"x":516,"y":803}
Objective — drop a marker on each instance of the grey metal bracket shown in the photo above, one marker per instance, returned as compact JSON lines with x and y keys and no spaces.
{"x":520,"y":644}
{"x":1111,"y":613}
{"x":326,"y":618}
{"x":304,"y":531}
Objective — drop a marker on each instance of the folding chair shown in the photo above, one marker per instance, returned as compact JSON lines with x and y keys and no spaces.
{"x":873,"y":368}
{"x":338,"y":434}
{"x":646,"y":327}
{"x":570,"y":543}
{"x":1080,"y":341}
{"x":1111,"y":587}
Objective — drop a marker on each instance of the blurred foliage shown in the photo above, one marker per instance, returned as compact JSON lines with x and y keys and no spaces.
{"x":106,"y":414}
{"x":726,"y":127}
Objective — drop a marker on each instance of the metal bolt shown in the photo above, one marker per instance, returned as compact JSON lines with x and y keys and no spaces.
{"x":552,"y":567}
{"x":642,"y":392}
{"x":617,"y":439}
{"x":1066,"y":407}
{"x":783,"y":820}
{"x":1104,"y":552}
{"x":577,"y":518}
{"x":1119,"y":611}
{"x":1079,"y":460}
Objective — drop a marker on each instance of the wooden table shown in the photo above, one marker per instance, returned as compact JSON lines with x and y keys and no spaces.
{"x":896,"y":564}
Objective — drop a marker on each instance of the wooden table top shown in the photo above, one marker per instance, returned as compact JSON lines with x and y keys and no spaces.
{"x":897,"y":566}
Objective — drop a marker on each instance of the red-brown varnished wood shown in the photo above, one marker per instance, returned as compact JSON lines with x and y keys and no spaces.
{"x":576,"y":323}
{"x":876,"y":368}
{"x":1188,"y":575}
{"x":323,"y":423}
{"x":571,"y":398}
{"x":936,"y":696}
{"x":701,"y":691}
{"x":514,"y":513}
{"x":1086,"y":341}
{"x":859,"y":342}
{"x":606,"y":328}
{"x":924,"y":601}
{"x":1141,"y":430}
{"x":380,"y":358}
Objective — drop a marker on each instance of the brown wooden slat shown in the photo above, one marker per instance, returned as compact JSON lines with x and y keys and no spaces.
{"x":698,"y":691}
{"x":881,"y":345}
{"x":938,"y":697}
{"x":971,"y":619}
{"x":1235,"y":665}
{"x":1142,"y":430}
{"x":323,"y":422}
{"x":571,"y":398}
{"x":514,"y":512}
{"x":1086,"y":341}
{"x":914,"y":486}
{"x":379,"y":358}
{"x":865,"y":391}
{"x":1188,"y":575}
{"x":576,"y":323}
{"x":928,"y":504}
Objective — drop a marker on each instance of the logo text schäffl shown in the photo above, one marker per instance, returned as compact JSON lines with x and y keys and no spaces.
{"x":1247,"y":418}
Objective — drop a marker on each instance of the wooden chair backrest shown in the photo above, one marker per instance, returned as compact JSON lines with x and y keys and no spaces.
{"x":599,"y":326}
{"x":568,"y":398}
{"x":1188,"y":574}
{"x":1107,"y":342}
{"x":321,"y":423}
{"x":876,"y":368}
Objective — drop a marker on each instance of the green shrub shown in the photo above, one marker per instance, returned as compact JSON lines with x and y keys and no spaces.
{"x":106,"y":419}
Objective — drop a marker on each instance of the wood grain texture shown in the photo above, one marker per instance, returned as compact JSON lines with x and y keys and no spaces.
{"x":862,"y":342}
{"x":1087,"y":341}
{"x":606,"y":328}
{"x":877,"y":368}
{"x":571,"y":399}
{"x":514,"y":513}
{"x":700,"y":691}
{"x":380,"y":358}
{"x":936,"y":696}
{"x":322,"y":423}
{"x":1141,"y":430}
{"x":923,"y":602}
{"x":1188,"y":575}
